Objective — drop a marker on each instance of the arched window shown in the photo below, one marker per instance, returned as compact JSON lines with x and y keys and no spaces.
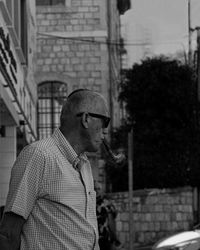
{"x":51,"y":96}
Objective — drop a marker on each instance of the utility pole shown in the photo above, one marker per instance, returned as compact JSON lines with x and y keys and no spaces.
{"x":198,"y":65}
{"x":110,"y":90}
{"x":130,"y":178}
{"x":189,"y":35}
{"x":197,"y":111}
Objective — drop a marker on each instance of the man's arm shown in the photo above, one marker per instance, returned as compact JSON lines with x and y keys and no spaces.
{"x":10,"y":230}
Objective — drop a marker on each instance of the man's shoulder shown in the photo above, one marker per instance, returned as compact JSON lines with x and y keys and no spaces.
{"x":44,"y":145}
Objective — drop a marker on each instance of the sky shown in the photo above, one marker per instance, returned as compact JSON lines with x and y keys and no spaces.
{"x":161,"y":24}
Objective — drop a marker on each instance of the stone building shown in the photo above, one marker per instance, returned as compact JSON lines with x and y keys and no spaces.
{"x":18,"y":93}
{"x":78,"y":46}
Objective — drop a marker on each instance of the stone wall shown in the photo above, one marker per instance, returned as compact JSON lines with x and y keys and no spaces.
{"x":72,"y":43}
{"x":156,"y":213}
{"x":80,"y":41}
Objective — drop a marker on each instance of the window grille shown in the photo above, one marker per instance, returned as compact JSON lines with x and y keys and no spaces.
{"x":51,"y":96}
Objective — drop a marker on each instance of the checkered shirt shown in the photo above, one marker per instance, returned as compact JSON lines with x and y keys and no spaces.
{"x":57,"y":201}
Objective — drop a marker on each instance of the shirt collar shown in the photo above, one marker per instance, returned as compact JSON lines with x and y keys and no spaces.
{"x":64,"y":146}
{"x":67,"y":149}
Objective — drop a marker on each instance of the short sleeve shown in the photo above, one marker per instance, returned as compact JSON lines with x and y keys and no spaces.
{"x":25,"y":181}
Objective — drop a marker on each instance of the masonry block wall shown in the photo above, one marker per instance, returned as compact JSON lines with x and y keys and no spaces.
{"x":80,"y":42}
{"x":72,"y":42}
{"x":156,"y":213}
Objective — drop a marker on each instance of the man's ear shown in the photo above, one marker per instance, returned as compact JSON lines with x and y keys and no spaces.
{"x":85,"y":120}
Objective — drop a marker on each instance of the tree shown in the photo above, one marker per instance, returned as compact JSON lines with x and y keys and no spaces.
{"x":160,"y":101}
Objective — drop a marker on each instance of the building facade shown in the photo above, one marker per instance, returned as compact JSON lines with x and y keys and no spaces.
{"x":78,"y":46}
{"x":18,"y":93}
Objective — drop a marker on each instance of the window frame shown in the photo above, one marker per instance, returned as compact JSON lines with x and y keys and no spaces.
{"x":49,"y":107}
{"x":17,"y":10}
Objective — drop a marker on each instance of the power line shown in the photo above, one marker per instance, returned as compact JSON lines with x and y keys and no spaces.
{"x":92,"y":41}
{"x":107,"y":42}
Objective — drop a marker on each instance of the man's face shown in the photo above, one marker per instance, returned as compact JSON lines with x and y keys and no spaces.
{"x":96,"y":133}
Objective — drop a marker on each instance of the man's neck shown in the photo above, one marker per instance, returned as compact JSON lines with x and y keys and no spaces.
{"x":74,"y":140}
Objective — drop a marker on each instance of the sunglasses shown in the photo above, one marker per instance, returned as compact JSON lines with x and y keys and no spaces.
{"x":106,"y":120}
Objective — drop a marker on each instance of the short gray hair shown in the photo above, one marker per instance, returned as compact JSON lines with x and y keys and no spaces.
{"x":84,"y":100}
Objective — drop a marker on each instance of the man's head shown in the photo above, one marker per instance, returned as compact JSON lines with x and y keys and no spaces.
{"x":85,"y":115}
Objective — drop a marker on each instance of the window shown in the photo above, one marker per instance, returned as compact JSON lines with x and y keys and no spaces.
{"x":18,"y":13}
{"x":51,"y":96}
{"x":50,"y":2}
{"x":23,"y":26}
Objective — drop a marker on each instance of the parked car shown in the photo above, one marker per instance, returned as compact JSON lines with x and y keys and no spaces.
{"x":188,"y":240}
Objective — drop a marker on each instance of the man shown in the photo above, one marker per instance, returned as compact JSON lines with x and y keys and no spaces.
{"x":51,"y":200}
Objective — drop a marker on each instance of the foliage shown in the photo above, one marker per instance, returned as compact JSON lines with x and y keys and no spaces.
{"x":160,"y":100}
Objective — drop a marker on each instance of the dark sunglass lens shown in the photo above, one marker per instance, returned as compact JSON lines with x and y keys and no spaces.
{"x":107,"y":122}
